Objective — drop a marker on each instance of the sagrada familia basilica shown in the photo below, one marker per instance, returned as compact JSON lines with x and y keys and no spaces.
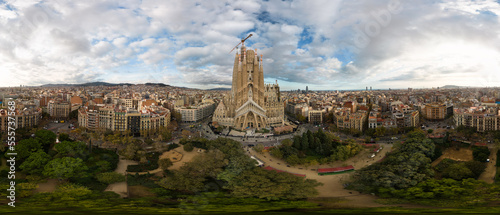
{"x":251,"y":104}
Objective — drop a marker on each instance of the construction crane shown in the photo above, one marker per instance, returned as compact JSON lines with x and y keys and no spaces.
{"x":242,"y":42}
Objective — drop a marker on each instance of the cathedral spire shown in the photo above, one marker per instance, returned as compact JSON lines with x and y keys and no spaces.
{"x":235,"y":74}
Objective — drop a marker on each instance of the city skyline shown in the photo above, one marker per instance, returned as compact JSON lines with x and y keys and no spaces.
{"x":324,"y":45}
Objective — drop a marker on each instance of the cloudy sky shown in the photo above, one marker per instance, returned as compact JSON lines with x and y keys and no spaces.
{"x":320,"y":44}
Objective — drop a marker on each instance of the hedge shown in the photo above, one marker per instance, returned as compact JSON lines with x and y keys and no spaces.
{"x":152,"y":164}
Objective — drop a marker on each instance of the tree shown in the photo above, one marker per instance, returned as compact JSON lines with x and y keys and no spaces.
{"x":130,"y":151}
{"x":176,"y":116}
{"x":110,"y":177}
{"x":64,"y":137}
{"x":259,"y":148}
{"x":234,"y":156}
{"x":102,"y":166}
{"x":301,"y":118}
{"x":276,"y":152}
{"x":35,"y":162}
{"x":287,"y":142}
{"x":304,"y":143}
{"x":271,"y":185}
{"x":238,"y":162}
{"x":188,"y":147}
{"x":402,"y":169}
{"x":73,"y":114}
{"x":333,"y":140}
{"x":25,"y":147}
{"x":186,"y":134}
{"x":380,"y":131}
{"x":476,"y":167}
{"x":166,"y":135}
{"x":67,"y":148}
{"x":71,"y":192}
{"x":297,"y":142}
{"x":458,"y":171}
{"x":368,"y":139}
{"x":313,"y":162}
{"x":329,"y":117}
{"x":394,"y":131}
{"x":46,"y":138}
{"x":165,"y":163}
{"x":293,"y":160}
{"x":340,"y":153}
{"x":192,"y":175}
{"x":64,"y":168}
{"x":370,"y":132}
{"x":310,"y":138}
{"x":288,"y":151}
{"x":413,"y":145}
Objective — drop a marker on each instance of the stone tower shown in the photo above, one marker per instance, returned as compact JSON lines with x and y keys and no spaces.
{"x":252,"y":104}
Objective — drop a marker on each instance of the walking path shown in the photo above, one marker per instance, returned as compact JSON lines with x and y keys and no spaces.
{"x":47,"y":187}
{"x":489,"y":173}
{"x":332,"y":184}
{"x":462,"y":154}
{"x":186,"y":157}
{"x":121,"y":187}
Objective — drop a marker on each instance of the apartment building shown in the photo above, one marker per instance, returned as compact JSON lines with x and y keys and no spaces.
{"x":196,"y":113}
{"x":316,"y":116}
{"x":58,"y":109}
{"x":434,"y":111}
{"x":481,"y":118}
{"x":25,"y":118}
{"x":117,"y":118}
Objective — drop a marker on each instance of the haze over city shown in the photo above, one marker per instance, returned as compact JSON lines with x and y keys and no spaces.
{"x":321,"y":44}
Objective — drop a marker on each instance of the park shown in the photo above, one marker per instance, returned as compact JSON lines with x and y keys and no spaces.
{"x":328,"y":166}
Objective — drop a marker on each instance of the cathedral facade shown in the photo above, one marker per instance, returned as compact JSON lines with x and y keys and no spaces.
{"x":252,"y":104}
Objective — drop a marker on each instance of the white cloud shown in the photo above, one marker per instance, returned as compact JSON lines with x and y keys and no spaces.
{"x":326,"y":44}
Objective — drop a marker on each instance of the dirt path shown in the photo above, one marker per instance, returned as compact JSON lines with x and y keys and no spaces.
{"x":47,"y":187}
{"x":186,"y":157}
{"x":123,"y":164}
{"x":121,"y":187}
{"x":462,"y":154}
{"x":490,"y":171}
{"x":332,"y":184}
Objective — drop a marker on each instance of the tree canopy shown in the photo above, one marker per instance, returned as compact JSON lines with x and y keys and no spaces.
{"x":191,"y":176}
{"x":35,"y":162}
{"x":64,"y":137}
{"x":72,"y":149}
{"x":110,"y":177}
{"x":320,"y":145}
{"x":165,"y":163}
{"x":64,"y":168}
{"x":401,"y":169}
{"x":272,"y":185}
{"x":25,"y":147}
{"x":46,"y":138}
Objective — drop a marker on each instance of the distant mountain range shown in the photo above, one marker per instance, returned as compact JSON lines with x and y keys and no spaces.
{"x":450,"y":87}
{"x":455,"y":87}
{"x":220,"y":89}
{"x":100,"y":83}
